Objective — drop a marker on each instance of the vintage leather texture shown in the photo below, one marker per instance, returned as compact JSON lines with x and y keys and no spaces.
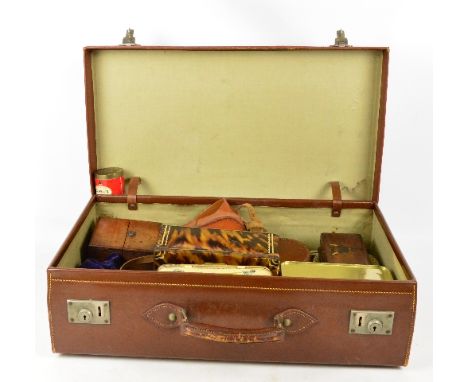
{"x":231,"y":302}
{"x":132,"y":192}
{"x":337,"y":203}
{"x":291,"y":321}
{"x":293,"y":250}
{"x":235,"y":302}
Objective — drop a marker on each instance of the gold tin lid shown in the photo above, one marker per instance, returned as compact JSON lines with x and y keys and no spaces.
{"x":335,"y":271}
{"x":108,"y":173}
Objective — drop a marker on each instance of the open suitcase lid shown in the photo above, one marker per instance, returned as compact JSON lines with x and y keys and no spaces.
{"x":258,"y":122}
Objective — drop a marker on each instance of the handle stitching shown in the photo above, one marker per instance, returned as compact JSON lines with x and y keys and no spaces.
{"x":207,"y":330}
{"x":276,"y":332}
{"x":410,"y":337}
{"x":49,"y":309}
{"x":158,"y":307}
{"x":310,"y":321}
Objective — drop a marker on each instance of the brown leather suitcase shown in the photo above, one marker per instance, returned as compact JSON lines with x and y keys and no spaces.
{"x":297,"y":132}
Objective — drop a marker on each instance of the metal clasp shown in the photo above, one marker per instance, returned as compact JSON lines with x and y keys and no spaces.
{"x":371,"y":322}
{"x":88,"y":312}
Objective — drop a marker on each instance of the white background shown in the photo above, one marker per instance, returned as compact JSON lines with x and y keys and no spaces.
{"x":43,"y":106}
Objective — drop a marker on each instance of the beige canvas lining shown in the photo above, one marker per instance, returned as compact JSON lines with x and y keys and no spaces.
{"x":304,"y":224}
{"x":380,"y":245}
{"x":73,"y":255}
{"x":277,"y":124}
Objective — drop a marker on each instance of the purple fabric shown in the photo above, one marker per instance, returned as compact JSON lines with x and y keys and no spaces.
{"x":113,"y":261}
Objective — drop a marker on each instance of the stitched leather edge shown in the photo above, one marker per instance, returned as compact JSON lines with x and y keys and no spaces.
{"x":227,"y":286}
{"x":410,"y":337}
{"x":52,"y":279}
{"x":51,"y":326}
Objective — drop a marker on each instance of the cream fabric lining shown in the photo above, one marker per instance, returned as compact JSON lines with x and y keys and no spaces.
{"x":304,"y":224}
{"x":73,"y":254}
{"x":381,"y":245}
{"x":278,"y":124}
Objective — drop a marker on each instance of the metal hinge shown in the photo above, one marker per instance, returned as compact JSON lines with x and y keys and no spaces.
{"x":129,"y":39}
{"x":341,"y":41}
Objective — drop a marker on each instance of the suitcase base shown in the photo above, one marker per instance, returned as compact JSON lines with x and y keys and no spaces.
{"x":235,"y":318}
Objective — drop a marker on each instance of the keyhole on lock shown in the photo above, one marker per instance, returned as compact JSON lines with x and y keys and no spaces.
{"x":85,"y":315}
{"x":375,"y":326}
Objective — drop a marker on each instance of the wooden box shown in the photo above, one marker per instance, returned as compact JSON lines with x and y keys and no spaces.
{"x":272,"y":126}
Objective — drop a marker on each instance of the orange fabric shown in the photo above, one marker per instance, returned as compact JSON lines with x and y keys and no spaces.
{"x":219,"y":215}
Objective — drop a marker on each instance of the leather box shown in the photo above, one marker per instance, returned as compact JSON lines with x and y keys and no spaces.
{"x":297,"y":132}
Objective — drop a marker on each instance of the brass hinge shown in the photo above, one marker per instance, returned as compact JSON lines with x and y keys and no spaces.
{"x":341,"y":41}
{"x":129,"y":39}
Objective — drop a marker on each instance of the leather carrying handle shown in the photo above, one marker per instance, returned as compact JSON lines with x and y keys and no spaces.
{"x":290,"y":321}
{"x":132,"y":193}
{"x":337,"y":202}
{"x":230,"y":335}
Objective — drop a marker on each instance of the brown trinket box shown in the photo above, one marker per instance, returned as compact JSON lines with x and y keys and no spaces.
{"x":343,"y":248}
{"x":255,"y":125}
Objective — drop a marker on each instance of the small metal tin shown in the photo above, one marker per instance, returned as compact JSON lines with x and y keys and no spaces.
{"x":335,"y":271}
{"x":109,"y":181}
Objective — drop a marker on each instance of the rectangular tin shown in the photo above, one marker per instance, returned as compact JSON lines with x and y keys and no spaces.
{"x":335,"y":271}
{"x":216,"y":268}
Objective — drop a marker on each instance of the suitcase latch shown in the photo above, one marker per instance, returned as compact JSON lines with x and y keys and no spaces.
{"x":371,"y":322}
{"x":88,"y":312}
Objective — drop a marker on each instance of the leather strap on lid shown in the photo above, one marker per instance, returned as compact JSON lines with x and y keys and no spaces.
{"x":132,"y":193}
{"x":337,"y":203}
